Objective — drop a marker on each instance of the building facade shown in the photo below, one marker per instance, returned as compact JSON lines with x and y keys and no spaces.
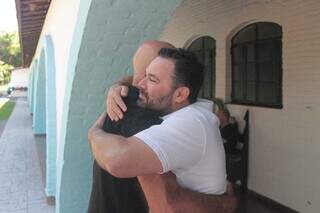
{"x":260,"y":55}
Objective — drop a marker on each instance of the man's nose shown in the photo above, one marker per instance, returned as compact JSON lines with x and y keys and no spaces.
{"x":142,"y":83}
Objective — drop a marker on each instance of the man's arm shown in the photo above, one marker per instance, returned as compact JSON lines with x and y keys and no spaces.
{"x":183,"y":200}
{"x":120,"y":156}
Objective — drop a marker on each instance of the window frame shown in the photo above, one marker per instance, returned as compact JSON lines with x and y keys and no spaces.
{"x":276,"y":85}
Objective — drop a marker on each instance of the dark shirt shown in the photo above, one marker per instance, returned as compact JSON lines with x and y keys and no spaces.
{"x":229,"y":133}
{"x":121,"y":195}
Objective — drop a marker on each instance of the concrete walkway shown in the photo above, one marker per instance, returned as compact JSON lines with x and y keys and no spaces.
{"x":21,"y":183}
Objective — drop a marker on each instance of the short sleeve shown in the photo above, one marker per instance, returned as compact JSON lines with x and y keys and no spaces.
{"x":179,"y":143}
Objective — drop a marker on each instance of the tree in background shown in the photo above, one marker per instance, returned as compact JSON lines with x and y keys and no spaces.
{"x":10,"y":55}
{"x":5,"y":72}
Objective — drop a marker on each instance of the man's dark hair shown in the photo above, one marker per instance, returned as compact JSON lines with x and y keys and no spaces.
{"x":188,"y":70}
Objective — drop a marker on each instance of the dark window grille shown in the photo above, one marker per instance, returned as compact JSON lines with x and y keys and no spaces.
{"x":205,"y":50}
{"x":257,"y":65}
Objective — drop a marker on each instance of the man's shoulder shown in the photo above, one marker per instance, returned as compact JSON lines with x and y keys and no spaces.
{"x":137,"y":119}
{"x":193,"y":118}
{"x":193,"y":111}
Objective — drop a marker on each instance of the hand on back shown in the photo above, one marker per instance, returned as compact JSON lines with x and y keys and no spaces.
{"x":114,"y":103}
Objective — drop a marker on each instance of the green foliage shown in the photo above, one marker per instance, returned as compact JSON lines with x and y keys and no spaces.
{"x":10,"y":55}
{"x":6,"y":110}
{"x":5,"y":72}
{"x":10,"y":52}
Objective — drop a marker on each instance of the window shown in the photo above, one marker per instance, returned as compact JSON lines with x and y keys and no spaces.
{"x":257,"y":65}
{"x":205,"y":50}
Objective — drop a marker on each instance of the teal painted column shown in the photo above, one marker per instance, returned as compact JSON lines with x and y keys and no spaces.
{"x":29,"y":87}
{"x":106,"y":35}
{"x":39,"y":114}
{"x":51,"y":112}
{"x":32,"y":92}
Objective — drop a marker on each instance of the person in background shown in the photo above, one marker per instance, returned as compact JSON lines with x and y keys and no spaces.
{"x":228,"y":130}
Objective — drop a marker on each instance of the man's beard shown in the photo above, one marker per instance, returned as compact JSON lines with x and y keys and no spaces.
{"x":161,"y":105}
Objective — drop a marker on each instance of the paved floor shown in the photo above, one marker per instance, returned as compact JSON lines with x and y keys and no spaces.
{"x":21,"y":183}
{"x":2,"y":125}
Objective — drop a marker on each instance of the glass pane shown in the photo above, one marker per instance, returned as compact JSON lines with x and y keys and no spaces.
{"x":196,"y":45}
{"x":251,"y":92}
{"x":207,"y":90}
{"x":209,"y":43}
{"x":200,"y":94}
{"x":269,"y":30}
{"x":237,"y":91}
{"x":277,"y":73}
{"x":250,"y":53}
{"x":277,"y":44}
{"x":199,"y":55}
{"x":267,"y":93}
{"x":204,"y":48}
{"x":208,"y":57}
{"x":266,"y":72}
{"x":237,"y":72}
{"x":265,"y":51}
{"x":245,"y":35}
{"x":207,"y":83}
{"x":251,"y":76}
{"x":237,"y":54}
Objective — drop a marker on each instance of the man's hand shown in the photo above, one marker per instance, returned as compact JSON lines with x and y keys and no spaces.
{"x":114,"y":103}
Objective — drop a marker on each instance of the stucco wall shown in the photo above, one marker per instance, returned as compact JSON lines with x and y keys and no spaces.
{"x":39,"y":112}
{"x":284,"y":143}
{"x":20,"y":78}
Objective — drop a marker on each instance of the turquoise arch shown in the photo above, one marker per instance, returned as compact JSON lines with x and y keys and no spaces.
{"x":39,"y":102}
{"x":42,"y":99}
{"x":51,"y":121}
{"x":32,"y":85}
{"x":106,"y":35}
{"x":29,"y":86}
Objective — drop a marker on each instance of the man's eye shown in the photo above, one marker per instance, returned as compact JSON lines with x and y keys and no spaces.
{"x":152,"y":80}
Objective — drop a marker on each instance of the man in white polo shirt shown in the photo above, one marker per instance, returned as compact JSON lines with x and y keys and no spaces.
{"x":187,"y":142}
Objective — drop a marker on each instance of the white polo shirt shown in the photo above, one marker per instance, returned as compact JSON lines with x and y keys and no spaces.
{"x":188,"y":143}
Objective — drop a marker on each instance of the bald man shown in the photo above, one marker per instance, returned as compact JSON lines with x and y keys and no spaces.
{"x":162,"y":191}
{"x":124,"y":195}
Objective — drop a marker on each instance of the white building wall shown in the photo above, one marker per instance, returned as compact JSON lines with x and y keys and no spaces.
{"x":20,"y":78}
{"x":284,"y":148}
{"x":60,"y":23}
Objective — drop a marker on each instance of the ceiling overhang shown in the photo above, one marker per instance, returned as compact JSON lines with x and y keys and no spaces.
{"x":31,"y":15}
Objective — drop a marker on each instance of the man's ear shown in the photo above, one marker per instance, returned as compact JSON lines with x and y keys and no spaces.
{"x":181,"y":94}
